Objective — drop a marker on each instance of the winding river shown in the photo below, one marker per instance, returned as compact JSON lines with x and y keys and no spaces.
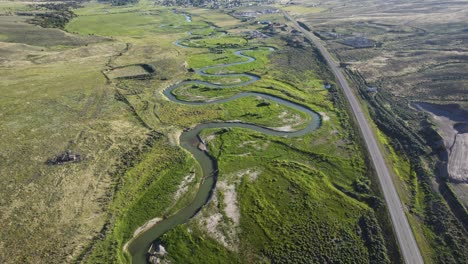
{"x":190,"y":141}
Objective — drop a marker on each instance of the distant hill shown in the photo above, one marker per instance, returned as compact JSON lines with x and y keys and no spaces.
{"x":215,"y":3}
{"x":119,"y":2}
{"x":198,"y":3}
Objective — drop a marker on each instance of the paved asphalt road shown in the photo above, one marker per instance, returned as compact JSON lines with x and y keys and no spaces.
{"x":408,"y":245}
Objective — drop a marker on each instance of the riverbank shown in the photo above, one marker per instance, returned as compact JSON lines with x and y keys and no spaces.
{"x":142,"y":229}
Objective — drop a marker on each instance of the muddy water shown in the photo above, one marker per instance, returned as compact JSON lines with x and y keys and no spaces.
{"x":190,"y":141}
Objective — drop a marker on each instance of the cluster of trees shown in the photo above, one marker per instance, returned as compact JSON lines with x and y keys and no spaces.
{"x":57,"y":19}
{"x":119,"y":2}
{"x":53,"y":14}
{"x":373,"y":239}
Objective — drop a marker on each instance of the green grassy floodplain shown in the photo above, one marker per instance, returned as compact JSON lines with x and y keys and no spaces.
{"x":309,"y":201}
{"x":311,"y":176}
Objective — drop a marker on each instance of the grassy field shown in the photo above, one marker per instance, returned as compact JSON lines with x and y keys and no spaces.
{"x":55,"y":99}
{"x":46,"y":109}
{"x":305,"y":199}
{"x":218,"y":19}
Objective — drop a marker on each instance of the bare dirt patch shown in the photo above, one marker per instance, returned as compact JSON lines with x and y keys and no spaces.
{"x":230,"y":202}
{"x":174,"y":137}
{"x":450,"y":119}
{"x":147,"y":226}
{"x":211,"y":220}
{"x":183,"y":187}
{"x":458,"y":159}
{"x":223,"y":224}
{"x":289,"y":121}
{"x":251,"y":173}
{"x":256,"y":145}
{"x":325,"y":117}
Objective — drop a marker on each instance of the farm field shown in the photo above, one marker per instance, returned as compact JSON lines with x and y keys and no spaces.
{"x":208,"y":136}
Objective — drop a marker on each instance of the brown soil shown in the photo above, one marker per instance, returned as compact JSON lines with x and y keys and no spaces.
{"x":452,"y":121}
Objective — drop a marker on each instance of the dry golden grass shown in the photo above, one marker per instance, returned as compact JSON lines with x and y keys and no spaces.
{"x":216,"y":17}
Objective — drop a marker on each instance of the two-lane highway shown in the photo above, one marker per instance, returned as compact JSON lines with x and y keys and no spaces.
{"x":402,"y":229}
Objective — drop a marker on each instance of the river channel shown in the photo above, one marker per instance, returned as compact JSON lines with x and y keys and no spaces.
{"x":190,"y":140}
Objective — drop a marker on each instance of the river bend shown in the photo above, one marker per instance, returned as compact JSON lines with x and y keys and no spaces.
{"x":190,"y":141}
